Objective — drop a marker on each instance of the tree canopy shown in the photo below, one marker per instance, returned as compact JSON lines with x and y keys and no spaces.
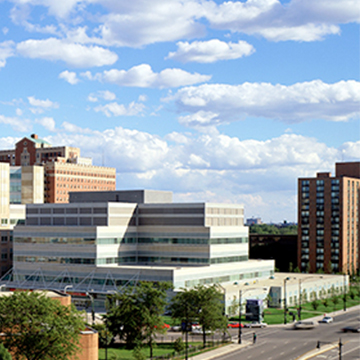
{"x":266,"y":229}
{"x":135,"y":314}
{"x":202,"y":304}
{"x":38,"y":327}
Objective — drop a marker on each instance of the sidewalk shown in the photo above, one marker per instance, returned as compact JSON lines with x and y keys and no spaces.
{"x":220,"y":351}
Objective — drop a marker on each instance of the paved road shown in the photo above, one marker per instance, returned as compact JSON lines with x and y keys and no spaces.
{"x":284,"y":343}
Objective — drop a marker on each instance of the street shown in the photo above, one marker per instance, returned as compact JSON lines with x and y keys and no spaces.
{"x":285,"y":343}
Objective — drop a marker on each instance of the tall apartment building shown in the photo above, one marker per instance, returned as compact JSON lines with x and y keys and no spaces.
{"x":40,"y":172}
{"x":328,"y":220}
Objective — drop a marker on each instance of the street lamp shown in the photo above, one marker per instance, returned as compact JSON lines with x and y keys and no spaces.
{"x":67,"y":287}
{"x":299,"y":310}
{"x":92,"y":307}
{"x":285,"y":306}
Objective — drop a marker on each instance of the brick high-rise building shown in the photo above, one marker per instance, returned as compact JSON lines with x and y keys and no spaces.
{"x":328,"y":220}
{"x":40,"y":170}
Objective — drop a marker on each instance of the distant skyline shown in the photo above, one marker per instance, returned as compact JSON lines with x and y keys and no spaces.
{"x":217,"y":101}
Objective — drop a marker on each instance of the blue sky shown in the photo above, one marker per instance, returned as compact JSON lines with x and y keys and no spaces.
{"x":216,"y":101}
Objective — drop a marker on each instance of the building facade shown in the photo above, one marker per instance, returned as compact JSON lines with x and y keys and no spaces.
{"x":328,"y":220}
{"x":98,"y":247}
{"x":42,"y":173}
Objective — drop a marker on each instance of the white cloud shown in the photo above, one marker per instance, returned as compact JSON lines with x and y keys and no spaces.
{"x":105,"y":95}
{"x":212,"y":104}
{"x":47,"y":122}
{"x":141,"y":22}
{"x":305,"y":20}
{"x":69,"y":76}
{"x":72,"y":128}
{"x":260,"y":174}
{"x":60,"y":9}
{"x":46,"y":104}
{"x":6,"y":51}
{"x":115,"y":109}
{"x":23,"y":125}
{"x":73,"y":54}
{"x":210,"y":51}
{"x":143,"y":76}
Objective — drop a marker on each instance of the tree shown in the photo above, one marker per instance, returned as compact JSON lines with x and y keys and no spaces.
{"x":179,"y":345}
{"x":105,"y":336}
{"x":4,"y":354}
{"x":38,"y":327}
{"x":135,"y":314}
{"x":234,"y":307}
{"x":204,"y":304}
{"x":315,"y":304}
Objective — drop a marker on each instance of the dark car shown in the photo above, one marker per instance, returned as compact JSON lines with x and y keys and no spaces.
{"x":354,"y":329}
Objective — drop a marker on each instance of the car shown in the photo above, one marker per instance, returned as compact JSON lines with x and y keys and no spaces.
{"x":305,"y":325}
{"x":164,"y":326}
{"x":234,"y":325}
{"x":354,"y":329}
{"x":176,"y":328}
{"x":199,"y":331}
{"x":326,"y":320}
{"x":256,"y":324}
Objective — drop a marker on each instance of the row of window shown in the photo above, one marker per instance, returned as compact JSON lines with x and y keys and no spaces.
{"x":121,"y":260}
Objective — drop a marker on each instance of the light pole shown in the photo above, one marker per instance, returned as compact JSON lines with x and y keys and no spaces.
{"x":67,"y":287}
{"x":344,"y":291}
{"x":240,"y":331}
{"x":285,"y":305}
{"x":299,"y":311}
{"x":92,"y":307}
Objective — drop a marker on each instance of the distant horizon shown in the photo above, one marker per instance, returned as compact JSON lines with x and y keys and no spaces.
{"x":216,"y":101}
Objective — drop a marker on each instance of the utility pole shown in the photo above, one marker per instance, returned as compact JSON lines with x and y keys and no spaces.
{"x":240,"y":331}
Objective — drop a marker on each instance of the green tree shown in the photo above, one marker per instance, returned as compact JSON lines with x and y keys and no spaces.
{"x":38,"y":327}
{"x":179,"y":345}
{"x":105,"y":335}
{"x":325,"y":302}
{"x":234,"y":307}
{"x":4,"y":354}
{"x":202,"y":303}
{"x":135,"y":314}
{"x":315,"y":304}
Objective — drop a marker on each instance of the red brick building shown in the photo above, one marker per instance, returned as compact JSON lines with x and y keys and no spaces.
{"x":328,"y":220}
{"x":64,"y":169}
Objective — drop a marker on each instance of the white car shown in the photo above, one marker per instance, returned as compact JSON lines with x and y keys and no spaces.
{"x":305,"y":324}
{"x":199,"y":331}
{"x":256,"y":324}
{"x":326,"y":320}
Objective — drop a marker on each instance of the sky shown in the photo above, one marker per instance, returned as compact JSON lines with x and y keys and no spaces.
{"x":216,"y":101}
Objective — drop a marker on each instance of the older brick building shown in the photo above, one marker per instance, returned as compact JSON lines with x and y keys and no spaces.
{"x":59,"y":169}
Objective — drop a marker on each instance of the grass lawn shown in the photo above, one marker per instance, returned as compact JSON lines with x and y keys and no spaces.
{"x":122,"y":353}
